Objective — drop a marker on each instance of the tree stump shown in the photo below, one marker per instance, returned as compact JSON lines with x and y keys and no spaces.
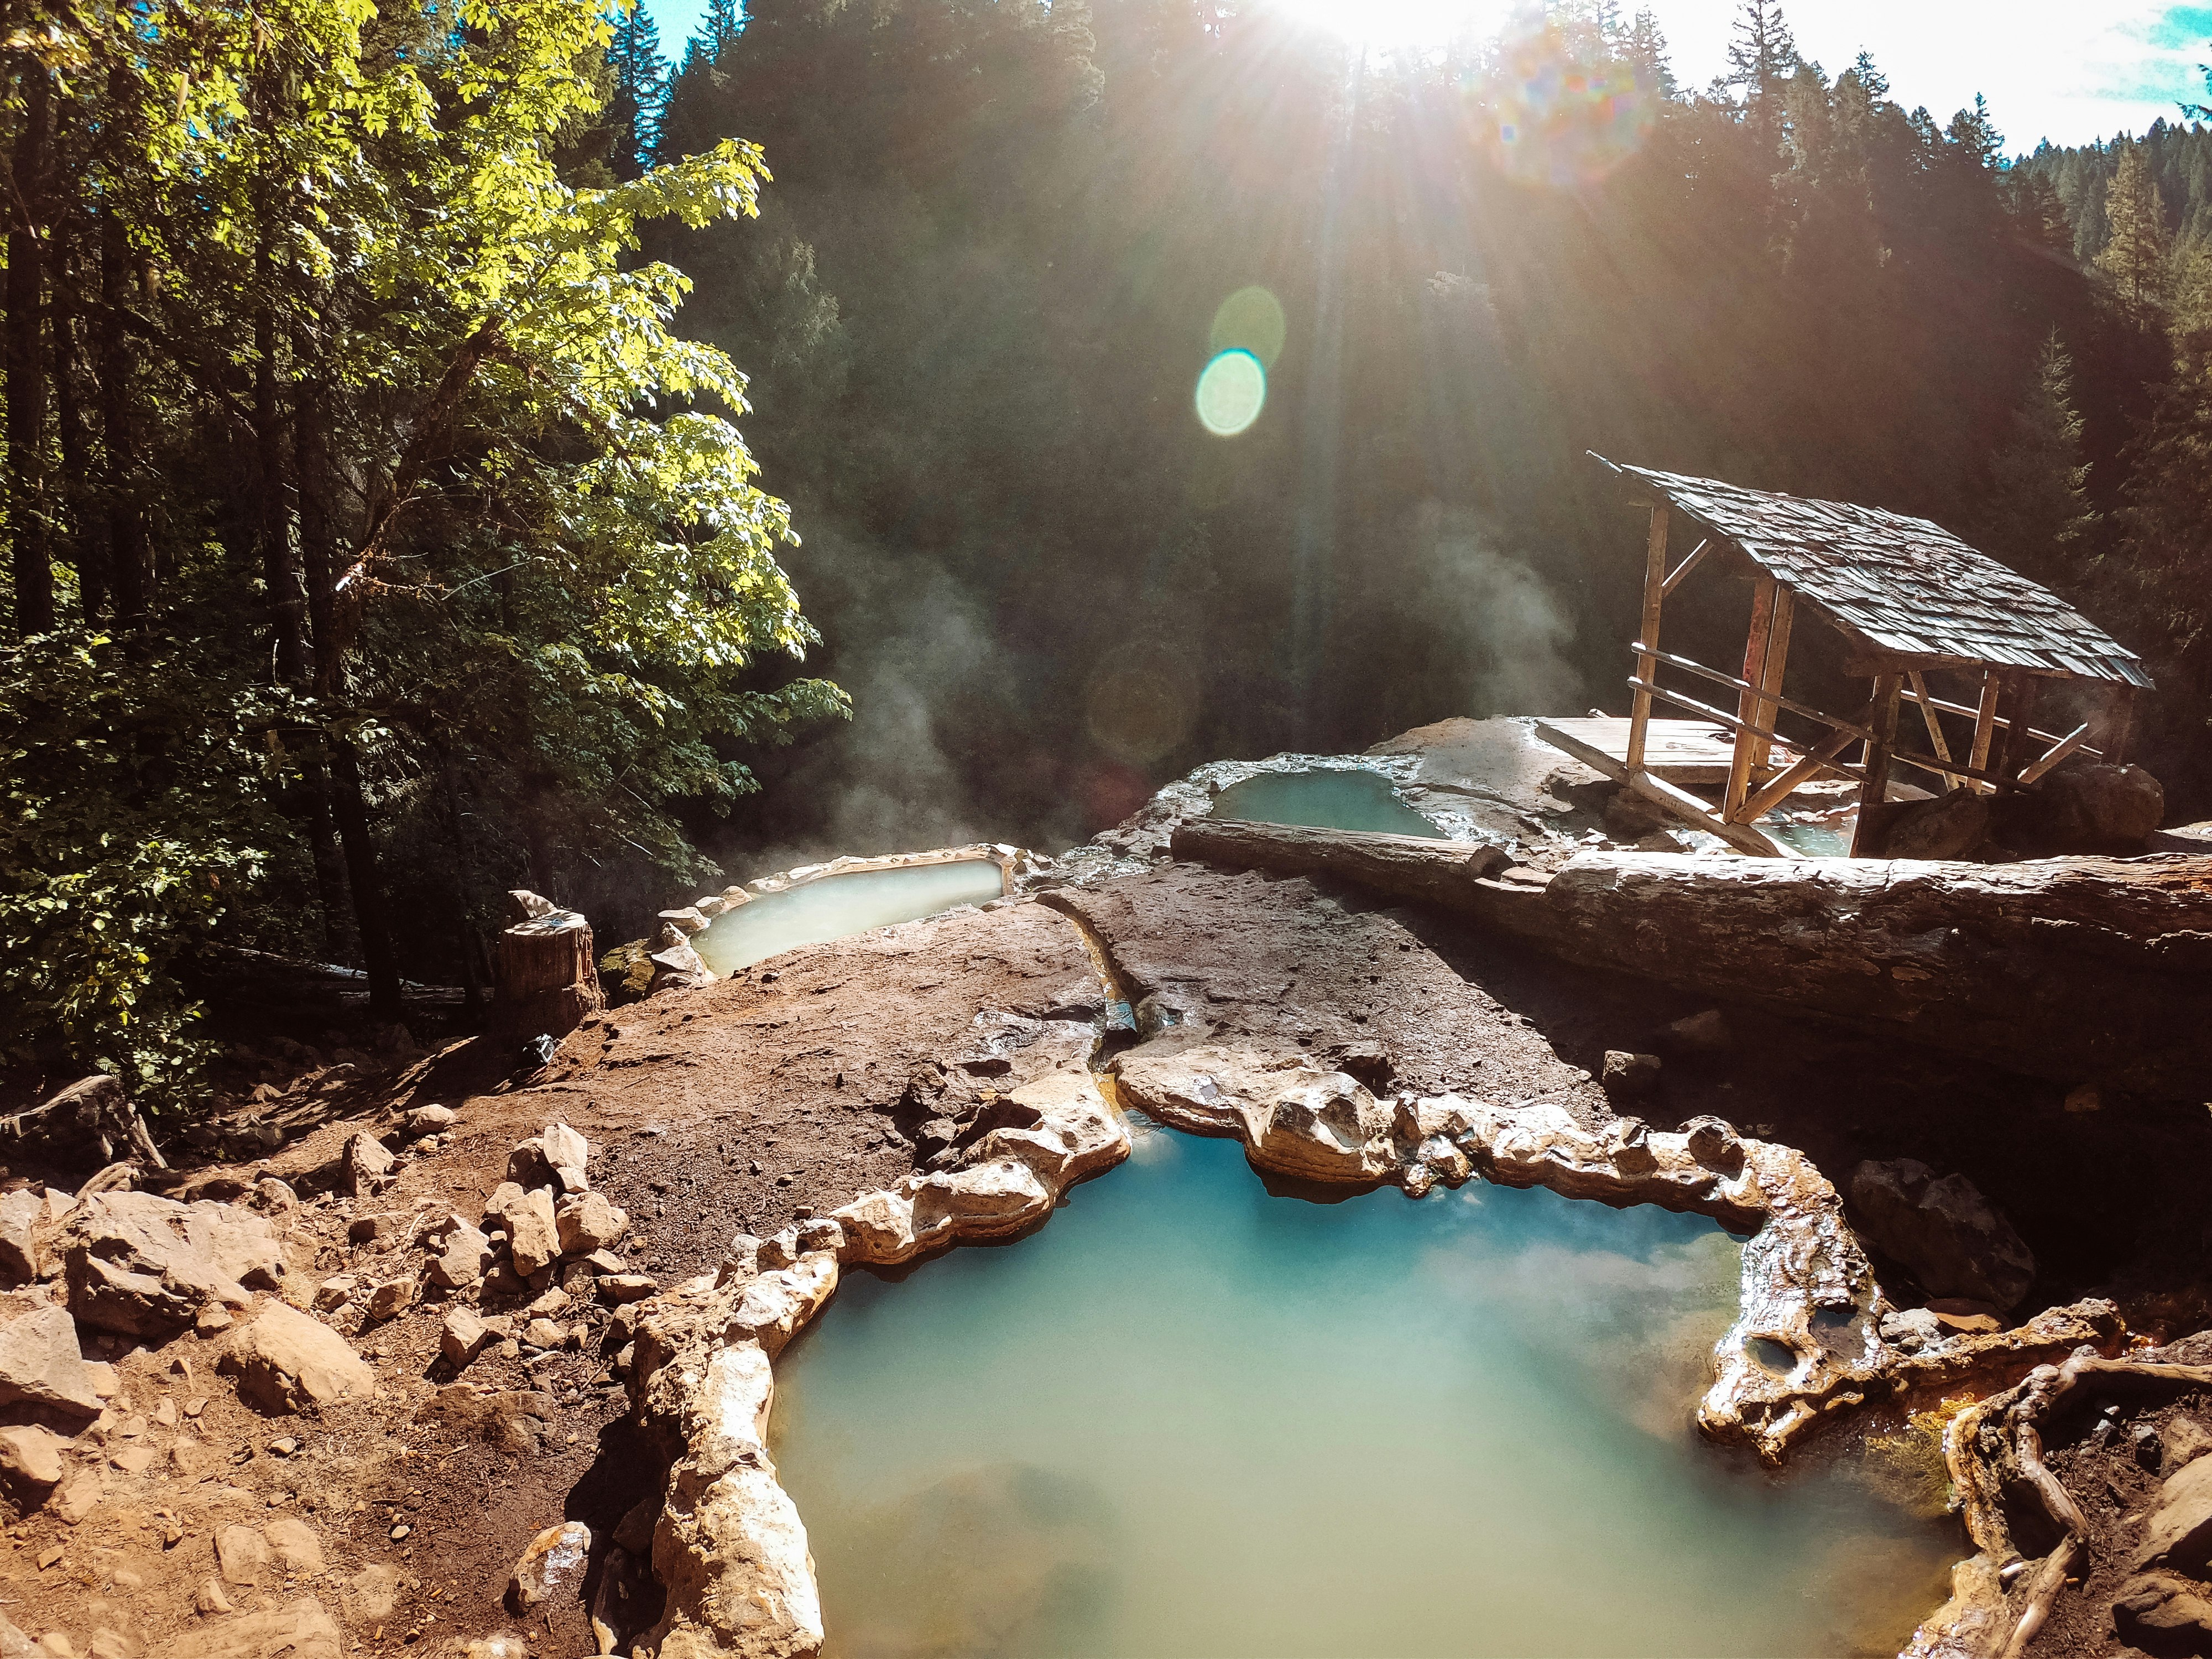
{"x":548,"y":979}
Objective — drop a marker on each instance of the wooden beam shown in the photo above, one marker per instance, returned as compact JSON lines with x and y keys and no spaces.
{"x":1819,"y":759}
{"x":1985,"y":719}
{"x":1659,"y":793}
{"x":1654,"y":592}
{"x":1935,"y":738}
{"x":1873,"y":788}
{"x":1999,"y":720}
{"x":1719,"y":716}
{"x":1697,"y":557}
{"x":1686,"y":805}
{"x":2058,"y":752}
{"x":1690,"y":665}
{"x":1750,"y":748}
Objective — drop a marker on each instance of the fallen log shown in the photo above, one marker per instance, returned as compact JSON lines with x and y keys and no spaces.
{"x":91,"y":1121}
{"x":2080,"y":969}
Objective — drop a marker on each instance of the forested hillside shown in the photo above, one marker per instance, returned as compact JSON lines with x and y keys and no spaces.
{"x":987,"y":278}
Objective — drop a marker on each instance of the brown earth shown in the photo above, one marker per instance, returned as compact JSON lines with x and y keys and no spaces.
{"x":804,"y":1081}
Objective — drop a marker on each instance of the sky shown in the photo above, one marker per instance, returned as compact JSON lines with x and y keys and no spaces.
{"x":2068,"y":71}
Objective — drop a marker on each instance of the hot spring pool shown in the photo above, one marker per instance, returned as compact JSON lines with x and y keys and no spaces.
{"x":832,"y":907}
{"x":1352,"y":800}
{"x":1187,"y":1417}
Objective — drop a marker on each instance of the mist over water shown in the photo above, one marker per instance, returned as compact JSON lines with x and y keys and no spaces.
{"x":1187,"y":1417}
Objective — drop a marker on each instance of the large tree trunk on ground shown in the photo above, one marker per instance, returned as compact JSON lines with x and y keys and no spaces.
{"x":548,"y":979}
{"x":2080,"y":969}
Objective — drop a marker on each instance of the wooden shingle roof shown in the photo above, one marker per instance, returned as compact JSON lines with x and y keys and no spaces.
{"x":1903,"y":587}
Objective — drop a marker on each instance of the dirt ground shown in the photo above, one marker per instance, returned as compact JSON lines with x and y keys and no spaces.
{"x":797,"y":1084}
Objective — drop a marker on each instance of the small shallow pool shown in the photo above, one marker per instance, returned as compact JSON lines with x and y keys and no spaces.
{"x":1335,"y":799}
{"x":833,"y":906}
{"x":1189,"y":1417}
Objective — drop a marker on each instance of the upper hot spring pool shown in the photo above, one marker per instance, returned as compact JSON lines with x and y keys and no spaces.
{"x":1332,"y":799}
{"x":833,"y":906}
{"x":1188,"y":1417}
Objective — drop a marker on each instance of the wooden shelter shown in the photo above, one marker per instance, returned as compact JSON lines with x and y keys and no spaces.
{"x":1909,"y":599}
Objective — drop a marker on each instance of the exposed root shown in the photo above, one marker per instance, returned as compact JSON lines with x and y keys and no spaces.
{"x":1995,"y":1449}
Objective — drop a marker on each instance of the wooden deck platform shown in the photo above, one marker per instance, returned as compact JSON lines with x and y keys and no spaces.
{"x":1687,"y":752}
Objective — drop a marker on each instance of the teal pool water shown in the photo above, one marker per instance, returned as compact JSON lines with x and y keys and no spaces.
{"x":1323,"y":801}
{"x":1189,"y":1417}
{"x":834,"y":907}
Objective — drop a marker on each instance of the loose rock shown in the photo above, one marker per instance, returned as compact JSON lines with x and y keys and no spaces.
{"x":367,"y":1165}
{"x":533,"y":1238}
{"x":294,"y":1541}
{"x":31,"y":1461}
{"x":552,"y":1567}
{"x":463,"y":1257}
{"x":149,"y":1266}
{"x":1945,"y":1232}
{"x":587,"y":1222}
{"x":241,"y":1551}
{"x":289,"y":1361}
{"x":388,"y":1299}
{"x":42,"y":1367}
{"x":464,"y":1337}
{"x":298,"y":1630}
{"x":2179,"y":1533}
{"x":428,"y":1121}
{"x":1628,"y":1075}
{"x":2163,"y":1614}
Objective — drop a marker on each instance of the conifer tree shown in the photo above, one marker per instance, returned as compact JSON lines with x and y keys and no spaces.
{"x":641,"y":92}
{"x":2039,"y":519}
{"x":1645,"y":49}
{"x":2137,"y":245}
{"x":1762,"y":54}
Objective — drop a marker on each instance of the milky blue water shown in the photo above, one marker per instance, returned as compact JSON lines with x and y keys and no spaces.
{"x":1323,"y":801}
{"x":1187,"y":1417}
{"x":834,"y":907}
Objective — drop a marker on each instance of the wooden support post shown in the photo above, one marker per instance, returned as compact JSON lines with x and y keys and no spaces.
{"x":1750,"y":748}
{"x":1654,"y":591}
{"x":1814,"y":760}
{"x":1918,"y":682}
{"x":1985,"y":719}
{"x":2020,"y":738}
{"x":1874,"y":788}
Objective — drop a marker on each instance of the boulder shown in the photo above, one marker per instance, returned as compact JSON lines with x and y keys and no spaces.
{"x":1949,"y":827}
{"x":877,"y":1229}
{"x":587,"y":1222}
{"x":2099,"y":809}
{"x":460,"y":1257}
{"x":42,"y":1368}
{"x":533,"y":1237}
{"x":365,"y":1165}
{"x":294,"y":1544}
{"x":1628,"y":1075}
{"x":149,"y":1266}
{"x":1705,"y":1033}
{"x":22,"y":1216}
{"x":982,"y":1202}
{"x":390,"y":1299}
{"x":568,"y":1153}
{"x":428,"y":1121}
{"x":241,"y":1552}
{"x":31,"y":1462}
{"x":2164,"y":1614}
{"x":1943,"y":1232}
{"x":551,"y":1569}
{"x":1714,"y":1143}
{"x":297,"y":1630}
{"x":2179,"y":1533}
{"x":2186,"y":1439}
{"x":289,"y":1361}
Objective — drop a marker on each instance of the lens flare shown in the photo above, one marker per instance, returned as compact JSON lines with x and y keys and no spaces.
{"x":1251,"y":319}
{"x":1232,"y":389}
{"x":1560,"y":113}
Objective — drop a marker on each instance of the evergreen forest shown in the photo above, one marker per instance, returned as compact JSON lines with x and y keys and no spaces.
{"x":426,"y":422}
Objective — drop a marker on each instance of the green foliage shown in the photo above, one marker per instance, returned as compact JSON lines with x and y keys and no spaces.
{"x":426,"y":486}
{"x":2039,"y":519}
{"x":135,"y":804}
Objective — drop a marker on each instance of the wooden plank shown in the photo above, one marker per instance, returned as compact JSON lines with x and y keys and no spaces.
{"x":1750,"y":747}
{"x":2058,"y":752}
{"x":1697,"y":556}
{"x":1985,"y":719}
{"x":1873,"y":788}
{"x":1587,"y":753}
{"x":1690,"y":665}
{"x":1654,"y":591}
{"x":1693,"y":753}
{"x":1935,"y":738}
{"x":1687,"y":807}
{"x":1819,"y":759}
{"x":1999,"y":722}
{"x":1719,"y":716}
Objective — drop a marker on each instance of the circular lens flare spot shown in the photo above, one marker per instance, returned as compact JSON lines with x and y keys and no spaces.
{"x":1251,"y":319}
{"x":1232,"y":389}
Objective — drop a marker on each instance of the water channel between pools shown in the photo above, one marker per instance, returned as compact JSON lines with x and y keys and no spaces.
{"x":833,"y":906}
{"x":1190,"y":1418}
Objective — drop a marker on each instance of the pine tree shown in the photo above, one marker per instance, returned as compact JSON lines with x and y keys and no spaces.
{"x":2138,"y":247}
{"x":1761,"y":52}
{"x":2039,"y":519}
{"x":641,"y":92}
{"x":1645,"y":49}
